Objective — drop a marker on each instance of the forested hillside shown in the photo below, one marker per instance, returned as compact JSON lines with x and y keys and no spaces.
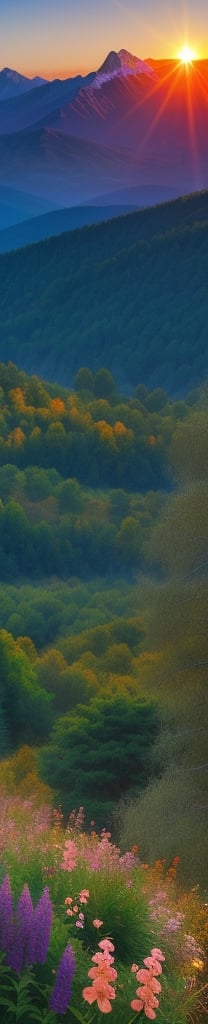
{"x":130,"y":294}
{"x":103,"y":542}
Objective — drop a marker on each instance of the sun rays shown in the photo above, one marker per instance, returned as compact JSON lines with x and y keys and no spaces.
{"x":187,"y":55}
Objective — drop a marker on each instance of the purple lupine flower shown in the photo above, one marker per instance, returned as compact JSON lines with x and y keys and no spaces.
{"x":17,"y":956}
{"x":39,"y":938}
{"x":61,"y":994}
{"x":6,"y":916}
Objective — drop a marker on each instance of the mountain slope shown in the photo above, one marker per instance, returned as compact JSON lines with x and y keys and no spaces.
{"x":130,"y":294}
{"x":50,"y":224}
{"x":65,"y":169}
{"x":16,"y":206}
{"x":28,"y":109}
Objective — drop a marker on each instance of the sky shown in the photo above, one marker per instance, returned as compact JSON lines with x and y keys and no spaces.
{"x":57,"y":38}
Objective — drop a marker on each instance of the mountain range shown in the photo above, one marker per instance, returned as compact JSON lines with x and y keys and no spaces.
{"x":130,"y":125}
{"x":13,"y":84}
{"x":106,"y":296}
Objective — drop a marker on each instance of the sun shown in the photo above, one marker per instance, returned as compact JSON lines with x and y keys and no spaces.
{"x":186,"y":55}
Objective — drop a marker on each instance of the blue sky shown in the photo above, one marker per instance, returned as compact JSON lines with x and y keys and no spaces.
{"x":64,"y":36}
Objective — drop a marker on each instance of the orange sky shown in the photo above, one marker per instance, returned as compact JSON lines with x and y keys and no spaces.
{"x":59,"y":38}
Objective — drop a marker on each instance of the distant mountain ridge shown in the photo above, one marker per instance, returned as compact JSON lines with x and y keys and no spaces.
{"x":13,"y":84}
{"x":129,"y":294}
{"x":56,"y":222}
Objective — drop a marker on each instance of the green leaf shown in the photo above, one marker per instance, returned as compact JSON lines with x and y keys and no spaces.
{"x":25,"y":981}
{"x":21,"y":1010}
{"x":37,"y":1015}
{"x":79,"y":1016}
{"x":10,"y":1006}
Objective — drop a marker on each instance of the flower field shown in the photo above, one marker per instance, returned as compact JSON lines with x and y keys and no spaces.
{"x":87,"y":930}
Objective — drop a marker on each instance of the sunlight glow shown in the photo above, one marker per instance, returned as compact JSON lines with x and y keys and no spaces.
{"x":186,"y":55}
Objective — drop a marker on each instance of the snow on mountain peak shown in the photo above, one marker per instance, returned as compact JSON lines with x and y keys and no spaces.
{"x":122,"y":64}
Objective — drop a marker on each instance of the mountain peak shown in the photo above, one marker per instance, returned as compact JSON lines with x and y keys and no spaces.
{"x":13,"y":84}
{"x":122,"y":63}
{"x":9,"y":73}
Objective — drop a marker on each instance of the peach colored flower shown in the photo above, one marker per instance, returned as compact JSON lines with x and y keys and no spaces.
{"x":99,"y":957}
{"x":107,"y":945}
{"x":101,"y":993}
{"x":68,"y":900}
{"x":69,"y":913}
{"x":153,"y":965}
{"x":157,"y":954}
{"x":155,"y":986}
{"x":137,"y":1005}
{"x":151,"y":983}
{"x":143,"y":975}
{"x":147,"y":996}
{"x":134,"y":968}
{"x":84,"y":896}
{"x":97,"y":923}
{"x":149,"y":1012}
{"x":89,"y":994}
{"x":75,"y":909}
{"x":103,"y":970}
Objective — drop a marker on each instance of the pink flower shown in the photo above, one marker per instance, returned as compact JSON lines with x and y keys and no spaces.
{"x":137,"y":1005}
{"x":107,"y":945}
{"x":98,"y":958}
{"x":79,"y":924}
{"x":103,"y":970}
{"x":149,"y":981}
{"x":157,"y":954}
{"x":97,"y":923}
{"x":69,"y":913}
{"x":101,"y":993}
{"x":84,"y":896}
{"x":150,"y":988}
{"x":70,"y":856}
{"x":102,"y":974}
{"x":153,"y":965}
{"x":134,"y":968}
{"x":143,"y":976}
{"x":146,"y":994}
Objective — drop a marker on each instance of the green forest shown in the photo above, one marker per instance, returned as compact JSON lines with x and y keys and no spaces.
{"x":103,"y":607}
{"x":106,"y":295}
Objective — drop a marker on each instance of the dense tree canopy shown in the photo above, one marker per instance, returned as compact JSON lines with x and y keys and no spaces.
{"x":100,"y":752}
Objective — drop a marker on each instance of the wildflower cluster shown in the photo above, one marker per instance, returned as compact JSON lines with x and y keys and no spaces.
{"x":133,"y":899}
{"x":25,"y":936}
{"x":98,"y":852}
{"x":73,"y":907}
{"x":150,"y":988}
{"x":103,"y":974}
